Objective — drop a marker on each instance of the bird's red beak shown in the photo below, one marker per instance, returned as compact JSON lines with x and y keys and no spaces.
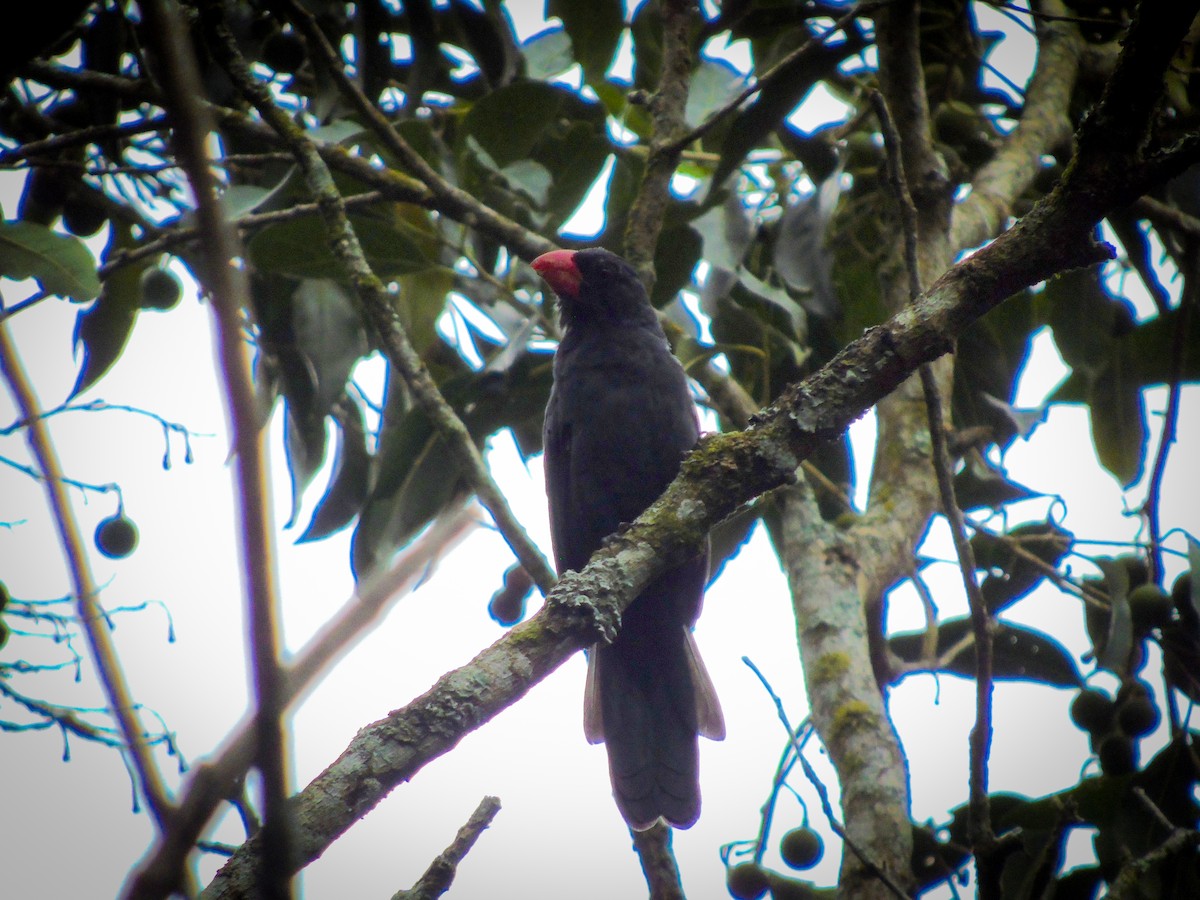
{"x":560,"y":272}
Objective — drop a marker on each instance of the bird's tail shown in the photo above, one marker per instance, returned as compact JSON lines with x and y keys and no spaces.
{"x":649,"y":703}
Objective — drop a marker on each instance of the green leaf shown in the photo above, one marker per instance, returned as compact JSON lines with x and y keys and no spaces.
{"x":778,"y":298}
{"x":750,"y":127}
{"x":729,"y":537}
{"x":1114,"y":649}
{"x":62,"y":264}
{"x":304,"y":443}
{"x":418,"y":475}
{"x":1011,"y":574}
{"x":422,"y":300}
{"x":530,"y":178}
{"x":595,"y":29}
{"x":528,"y":123}
{"x":1082,"y":314}
{"x":330,"y":334}
{"x":991,"y":353}
{"x":300,"y":248}
{"x":727,"y":233}
{"x":347,"y":490}
{"x":714,"y":84}
{"x":801,"y":254}
{"x":337,"y":132}
{"x":980,"y":485}
{"x":1118,"y":417}
{"x":102,"y":329}
{"x":647,"y":32}
{"x":547,"y":54}
{"x":1019,"y":653}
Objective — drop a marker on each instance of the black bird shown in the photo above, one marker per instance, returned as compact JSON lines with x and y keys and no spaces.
{"x":619,"y":421}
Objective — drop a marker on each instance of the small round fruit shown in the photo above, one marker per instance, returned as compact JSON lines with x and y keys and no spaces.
{"x":284,"y":51}
{"x":82,"y":217}
{"x":746,"y":881}
{"x":160,"y":289}
{"x":5,"y":596}
{"x":506,"y":608}
{"x":1118,"y":755}
{"x":1138,"y":716}
{"x":1136,"y":566}
{"x":1149,"y":607}
{"x":1092,"y":711}
{"x":801,"y":848}
{"x":116,"y":536}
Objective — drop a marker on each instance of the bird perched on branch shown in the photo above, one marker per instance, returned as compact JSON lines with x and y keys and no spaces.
{"x":619,"y":421}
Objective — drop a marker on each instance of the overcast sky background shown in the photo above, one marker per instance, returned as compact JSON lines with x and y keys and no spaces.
{"x":68,"y":830}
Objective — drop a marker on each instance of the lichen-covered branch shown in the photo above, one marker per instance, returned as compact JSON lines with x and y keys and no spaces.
{"x":667,"y":107}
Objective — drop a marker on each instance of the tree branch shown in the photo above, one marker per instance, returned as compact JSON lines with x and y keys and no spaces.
{"x":453,"y":201}
{"x":227,"y":285}
{"x":658,"y":862}
{"x":88,"y":610}
{"x":1044,"y":124}
{"x":440,"y":874}
{"x":667,"y":107}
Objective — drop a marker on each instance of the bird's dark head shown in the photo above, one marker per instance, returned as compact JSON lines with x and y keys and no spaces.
{"x":595,"y":286}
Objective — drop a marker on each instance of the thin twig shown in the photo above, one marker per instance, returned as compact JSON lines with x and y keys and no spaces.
{"x":982,"y":836}
{"x":452,"y":200}
{"x":249,"y":222}
{"x":440,"y":875}
{"x":658,"y":862}
{"x":227,"y":283}
{"x":1178,"y":839}
{"x":88,"y":609}
{"x":91,"y":134}
{"x":822,"y":793}
{"x":1187,"y":304}
{"x":780,"y":70}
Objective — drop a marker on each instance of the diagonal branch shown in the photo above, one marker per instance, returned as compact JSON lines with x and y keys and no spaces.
{"x":451,"y":200}
{"x":91,"y":615}
{"x":438,"y":878}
